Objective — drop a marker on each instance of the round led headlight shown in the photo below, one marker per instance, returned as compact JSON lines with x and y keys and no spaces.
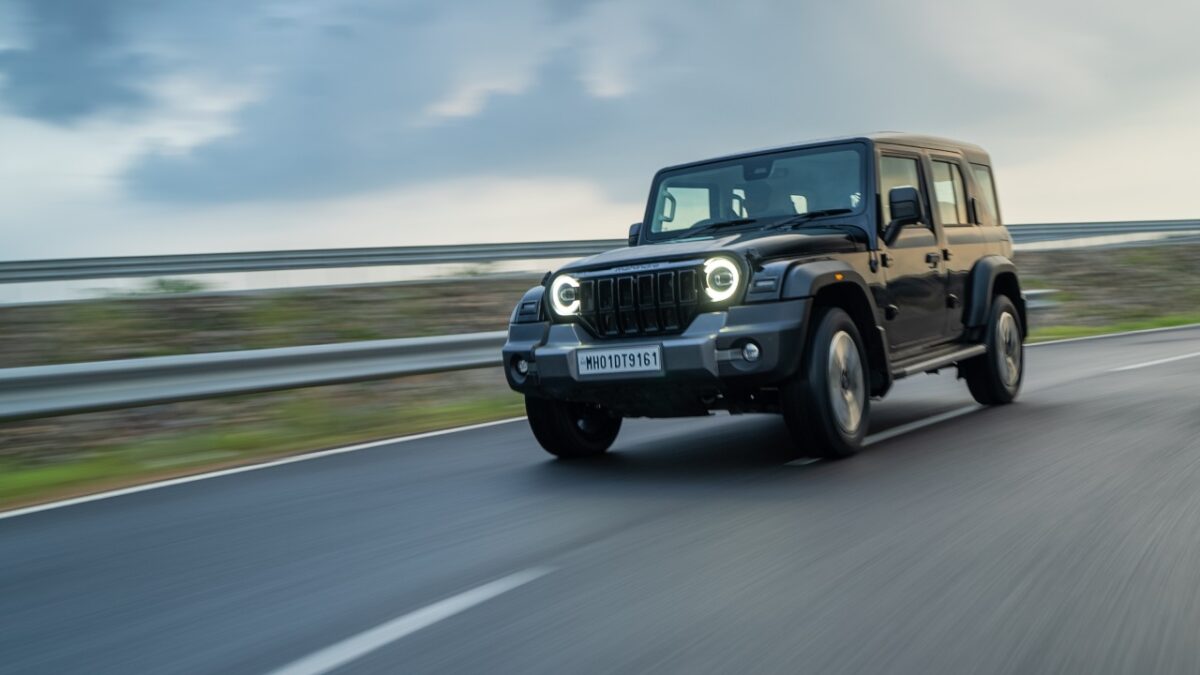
{"x":564,"y":295}
{"x":721,"y":278}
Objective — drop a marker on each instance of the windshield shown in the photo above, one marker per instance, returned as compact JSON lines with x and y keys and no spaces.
{"x":763,"y":188}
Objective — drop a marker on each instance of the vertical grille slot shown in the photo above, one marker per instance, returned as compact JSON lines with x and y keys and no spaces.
{"x":625,"y":292}
{"x":647,"y":303}
{"x":639,"y":304}
{"x":687,"y":287}
{"x":587,"y":297}
{"x":604,"y":295}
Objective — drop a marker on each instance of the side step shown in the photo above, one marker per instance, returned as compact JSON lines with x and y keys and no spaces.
{"x":939,"y":361}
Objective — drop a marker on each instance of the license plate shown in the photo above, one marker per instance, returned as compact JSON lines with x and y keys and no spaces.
{"x":622,"y":360}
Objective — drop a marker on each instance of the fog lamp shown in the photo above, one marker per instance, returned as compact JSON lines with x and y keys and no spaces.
{"x":751,"y":352}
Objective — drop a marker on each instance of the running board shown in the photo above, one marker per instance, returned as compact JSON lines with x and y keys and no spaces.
{"x":940,"y":361}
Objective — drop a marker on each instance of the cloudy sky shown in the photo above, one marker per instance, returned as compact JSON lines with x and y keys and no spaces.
{"x":139,"y":126}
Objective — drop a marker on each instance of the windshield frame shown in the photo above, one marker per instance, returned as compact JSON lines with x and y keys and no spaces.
{"x":865,"y":157}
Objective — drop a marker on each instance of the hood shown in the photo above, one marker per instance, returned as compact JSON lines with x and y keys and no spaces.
{"x":765,"y":244}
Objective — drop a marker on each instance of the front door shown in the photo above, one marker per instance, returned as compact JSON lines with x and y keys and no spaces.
{"x":914,"y":270}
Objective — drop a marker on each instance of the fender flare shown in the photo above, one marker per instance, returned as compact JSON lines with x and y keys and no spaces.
{"x":808,"y":279}
{"x":981,"y":286}
{"x":535,"y":295}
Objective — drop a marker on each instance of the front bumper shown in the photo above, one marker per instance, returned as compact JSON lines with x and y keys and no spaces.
{"x":701,"y":363}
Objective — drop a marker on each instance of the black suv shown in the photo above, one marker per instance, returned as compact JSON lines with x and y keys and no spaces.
{"x":802,"y":280}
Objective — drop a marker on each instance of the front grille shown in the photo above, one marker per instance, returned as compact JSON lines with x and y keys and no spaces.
{"x":654,"y":302}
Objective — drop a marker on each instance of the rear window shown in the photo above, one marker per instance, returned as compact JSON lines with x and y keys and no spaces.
{"x":987,"y":198}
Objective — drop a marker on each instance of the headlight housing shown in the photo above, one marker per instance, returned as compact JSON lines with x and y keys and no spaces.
{"x":564,"y":295}
{"x":722,"y":278}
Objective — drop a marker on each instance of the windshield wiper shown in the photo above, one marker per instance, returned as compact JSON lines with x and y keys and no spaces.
{"x":711,"y":227}
{"x":805,"y":217}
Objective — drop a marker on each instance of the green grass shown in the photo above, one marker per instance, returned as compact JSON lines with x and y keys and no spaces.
{"x":289,"y":427}
{"x":1043,"y":333}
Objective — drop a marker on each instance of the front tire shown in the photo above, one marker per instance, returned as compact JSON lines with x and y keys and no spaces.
{"x":826,"y":405}
{"x":995,"y":378}
{"x":571,"y":430}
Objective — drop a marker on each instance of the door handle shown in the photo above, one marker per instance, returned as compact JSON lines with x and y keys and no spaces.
{"x":933,"y":258}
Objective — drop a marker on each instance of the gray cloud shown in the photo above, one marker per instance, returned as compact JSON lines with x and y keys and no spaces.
{"x":77,"y":62}
{"x":361,"y":95}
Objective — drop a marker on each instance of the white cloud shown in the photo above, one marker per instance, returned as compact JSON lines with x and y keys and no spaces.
{"x":615,"y":39}
{"x":492,"y":48}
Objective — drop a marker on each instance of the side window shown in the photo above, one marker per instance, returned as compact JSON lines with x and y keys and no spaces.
{"x":682,"y":208}
{"x":983,"y":178}
{"x":896,"y":172}
{"x":951,"y":193}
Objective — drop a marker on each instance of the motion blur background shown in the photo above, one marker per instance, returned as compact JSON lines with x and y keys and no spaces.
{"x":137,"y":127}
{"x":1053,"y":535}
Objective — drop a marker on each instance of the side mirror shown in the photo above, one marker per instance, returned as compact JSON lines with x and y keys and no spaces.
{"x":905,"y":204}
{"x":635,"y":233}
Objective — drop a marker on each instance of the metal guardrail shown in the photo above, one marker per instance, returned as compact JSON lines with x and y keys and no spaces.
{"x":68,"y":269}
{"x":1055,"y":231}
{"x":1039,"y":299}
{"x":42,"y":391}
{"x":24,"y":271}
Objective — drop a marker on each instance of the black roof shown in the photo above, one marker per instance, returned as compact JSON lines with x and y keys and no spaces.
{"x":972,"y":152}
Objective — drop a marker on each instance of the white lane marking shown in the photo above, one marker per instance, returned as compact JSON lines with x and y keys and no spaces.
{"x":920,"y":424}
{"x":243,"y":469}
{"x":352,"y":648}
{"x":1156,"y":362}
{"x":1104,"y":336}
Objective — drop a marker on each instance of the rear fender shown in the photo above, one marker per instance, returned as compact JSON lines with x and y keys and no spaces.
{"x":991,"y":271}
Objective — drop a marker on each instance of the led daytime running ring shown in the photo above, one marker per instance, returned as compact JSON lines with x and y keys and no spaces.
{"x":714,"y":266}
{"x":560,"y":283}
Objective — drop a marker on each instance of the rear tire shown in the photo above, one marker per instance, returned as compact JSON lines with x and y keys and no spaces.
{"x":995,"y":378}
{"x":827,"y":404}
{"x":571,"y":430}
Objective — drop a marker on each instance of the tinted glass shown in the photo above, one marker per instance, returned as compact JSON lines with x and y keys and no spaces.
{"x":983,"y":178}
{"x":896,"y":172}
{"x":684,"y":207}
{"x":765,"y":187}
{"x":951,"y":193}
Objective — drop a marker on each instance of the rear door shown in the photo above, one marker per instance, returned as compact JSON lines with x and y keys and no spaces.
{"x":914,"y":270}
{"x":963,"y":241}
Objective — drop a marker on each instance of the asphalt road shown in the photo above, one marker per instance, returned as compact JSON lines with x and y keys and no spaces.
{"x":1058,"y":534}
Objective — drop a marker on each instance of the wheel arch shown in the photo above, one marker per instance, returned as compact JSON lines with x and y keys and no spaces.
{"x":834,"y":283}
{"x":993,"y":275}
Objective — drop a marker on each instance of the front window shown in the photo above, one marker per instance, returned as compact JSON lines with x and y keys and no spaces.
{"x":759,"y":189}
